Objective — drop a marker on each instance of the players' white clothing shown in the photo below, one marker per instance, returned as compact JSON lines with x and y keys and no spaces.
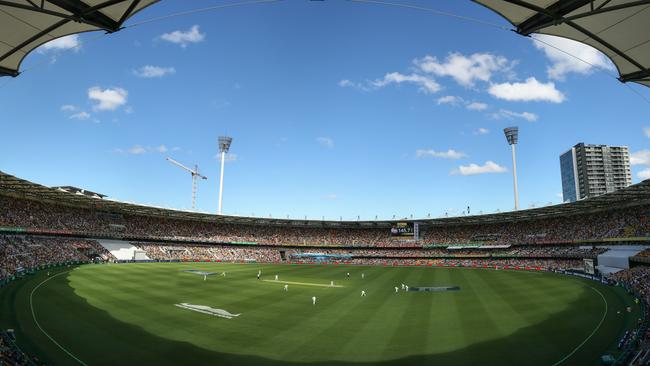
{"x":286,"y":287}
{"x":402,"y":286}
{"x":276,"y":277}
{"x":363,"y":293}
{"x":363,"y":276}
{"x":331,"y":283}
{"x":313,"y":300}
{"x":396,"y":289}
{"x":406,"y":287}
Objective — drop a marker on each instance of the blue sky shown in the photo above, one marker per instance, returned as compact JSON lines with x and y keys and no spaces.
{"x":337,"y":109}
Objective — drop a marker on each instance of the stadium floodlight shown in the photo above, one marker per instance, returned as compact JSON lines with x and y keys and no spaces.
{"x":512,"y":135}
{"x":195,"y":174}
{"x":224,"y":147}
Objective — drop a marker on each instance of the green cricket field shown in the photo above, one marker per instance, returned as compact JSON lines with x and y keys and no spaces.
{"x":222,"y":314}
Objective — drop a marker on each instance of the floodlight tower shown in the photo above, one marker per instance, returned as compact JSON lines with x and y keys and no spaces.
{"x":195,"y":174}
{"x":224,"y":146}
{"x":512,"y":135}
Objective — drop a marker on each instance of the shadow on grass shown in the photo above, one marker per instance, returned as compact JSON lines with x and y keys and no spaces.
{"x":99,"y":339}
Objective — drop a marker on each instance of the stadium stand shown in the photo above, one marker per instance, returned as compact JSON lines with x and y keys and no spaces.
{"x":42,"y":227}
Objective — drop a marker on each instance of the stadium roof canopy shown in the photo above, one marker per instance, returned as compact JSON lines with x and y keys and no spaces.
{"x":618,"y":28}
{"x":12,"y":186}
{"x":27,"y":24}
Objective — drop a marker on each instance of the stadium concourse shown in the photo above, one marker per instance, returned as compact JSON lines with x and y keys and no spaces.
{"x":44,"y":227}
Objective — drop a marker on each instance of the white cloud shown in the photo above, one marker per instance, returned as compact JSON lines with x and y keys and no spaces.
{"x":63,"y":43}
{"x":183,"y":38}
{"x":646,"y":131}
{"x":345,"y":82}
{"x":326,"y":142}
{"x":160,"y":149}
{"x":230,"y":157}
{"x":641,"y":157}
{"x":136,"y":150}
{"x":530,"y":90}
{"x":107,"y":99}
{"x":80,"y":115}
{"x":149,"y":71}
{"x":507,"y":114}
{"x":482,"y":131}
{"x":69,"y":108}
{"x":644,"y":174}
{"x":466,"y":70}
{"x":139,"y":150}
{"x":426,"y":84}
{"x":473,"y":169}
{"x":449,"y":154}
{"x":330,"y":197}
{"x":476,"y":106}
{"x":562,"y":63}
{"x":449,"y":99}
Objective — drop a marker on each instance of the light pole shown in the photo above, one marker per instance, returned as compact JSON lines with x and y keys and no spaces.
{"x":512,"y":135}
{"x":224,"y":146}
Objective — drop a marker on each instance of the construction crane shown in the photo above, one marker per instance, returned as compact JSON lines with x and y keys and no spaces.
{"x":195,"y":174}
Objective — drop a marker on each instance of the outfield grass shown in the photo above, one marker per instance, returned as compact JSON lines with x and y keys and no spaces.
{"x":125,"y":314}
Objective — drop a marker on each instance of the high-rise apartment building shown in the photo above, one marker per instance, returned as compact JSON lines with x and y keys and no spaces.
{"x":591,"y":170}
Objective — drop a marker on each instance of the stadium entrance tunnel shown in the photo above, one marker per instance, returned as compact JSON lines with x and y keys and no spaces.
{"x":99,"y":313}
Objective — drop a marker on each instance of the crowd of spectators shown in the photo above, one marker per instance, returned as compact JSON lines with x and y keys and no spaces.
{"x":511,"y":263}
{"x":531,"y":251}
{"x":619,"y":223}
{"x":637,"y":280}
{"x":199,"y":252}
{"x":23,"y":253}
{"x":10,"y":354}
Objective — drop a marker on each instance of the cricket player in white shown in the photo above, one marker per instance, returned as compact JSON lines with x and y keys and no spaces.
{"x":313,"y":300}
{"x":276,"y":277}
{"x":402,"y":286}
{"x":363,"y":293}
{"x":332,"y":283}
{"x":363,"y":275}
{"x":205,"y":277}
{"x":406,"y":287}
{"x":286,"y":287}
{"x":396,"y":289}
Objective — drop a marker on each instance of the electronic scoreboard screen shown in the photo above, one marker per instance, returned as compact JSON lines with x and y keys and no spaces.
{"x":403,"y":229}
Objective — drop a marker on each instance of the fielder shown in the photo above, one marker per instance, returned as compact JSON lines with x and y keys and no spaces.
{"x":313,"y":300}
{"x":396,"y":289}
{"x":286,"y":287}
{"x":276,"y":277}
{"x":363,"y":293}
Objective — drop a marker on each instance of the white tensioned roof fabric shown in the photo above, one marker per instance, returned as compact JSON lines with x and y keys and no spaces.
{"x":618,"y":28}
{"x":27,"y":24}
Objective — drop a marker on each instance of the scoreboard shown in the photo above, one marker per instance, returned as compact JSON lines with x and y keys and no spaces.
{"x":407,"y":230}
